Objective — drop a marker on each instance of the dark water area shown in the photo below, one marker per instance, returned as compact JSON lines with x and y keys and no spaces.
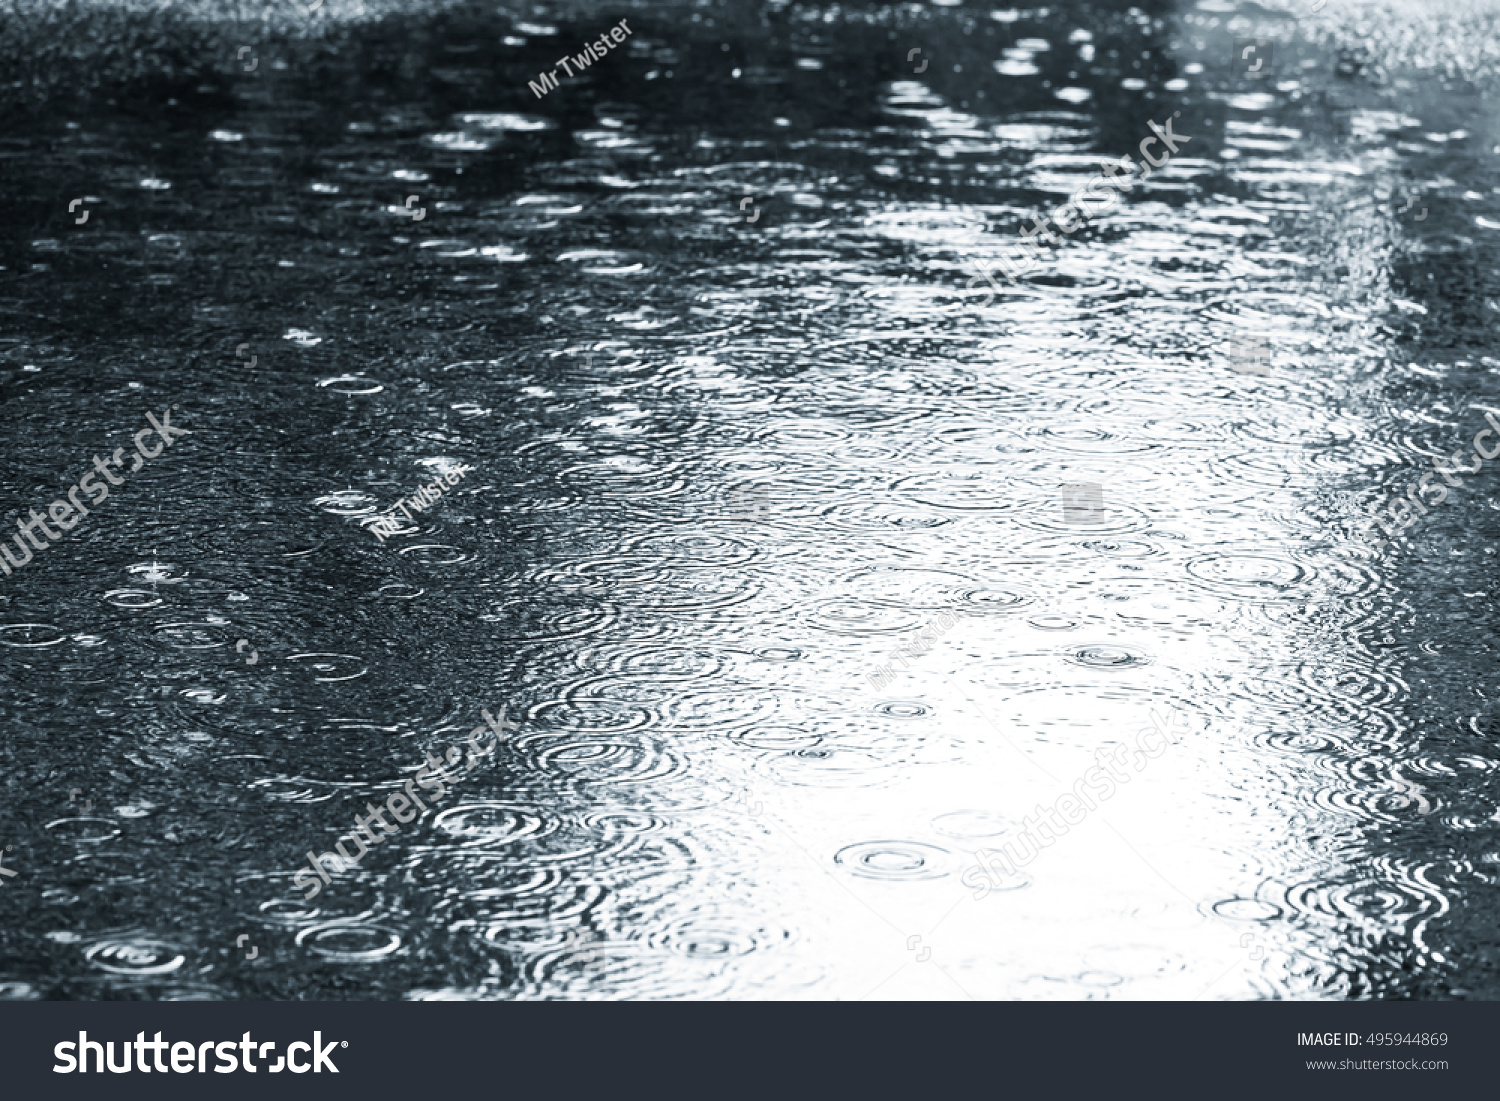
{"x":759,"y":526}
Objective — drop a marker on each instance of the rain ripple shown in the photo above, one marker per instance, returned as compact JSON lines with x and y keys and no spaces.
{"x":134,"y":955}
{"x":895,"y":861}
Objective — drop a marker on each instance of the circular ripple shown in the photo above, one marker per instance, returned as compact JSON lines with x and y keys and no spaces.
{"x":1121,"y":548}
{"x":190,"y":636}
{"x":328,"y":668}
{"x":803,"y":437}
{"x":531,"y":620}
{"x":600,"y":759}
{"x":966,"y":824}
{"x":1370,"y":900}
{"x":398,"y":591}
{"x":520,"y":903}
{"x":132,"y":598}
{"x":911,"y":588}
{"x":84,"y":831}
{"x":347,"y":502}
{"x":1086,"y":439}
{"x":496,"y":861}
{"x":878,"y":517}
{"x":158,"y":573}
{"x":436,"y":554}
{"x":714,"y":937}
{"x":351,"y":384}
{"x":1019,"y":671}
{"x":850,"y":617}
{"x":1360,"y":685}
{"x":620,"y":969}
{"x":1098,"y":978}
{"x":593,"y":716}
{"x":969,"y":490}
{"x":299,"y":789}
{"x":707,"y":708}
{"x":660,"y":664}
{"x":776,"y":738}
{"x":1300,"y":741}
{"x":286,"y":912}
{"x":1049,"y":515}
{"x":626,"y":476}
{"x":493,"y":824}
{"x":1136,"y":961}
{"x":1388,"y":806}
{"x":692,"y":592}
{"x":346,"y":942}
{"x":709,"y":551}
{"x":1254,"y":576}
{"x":30,"y":635}
{"x":622,"y":823}
{"x":993,"y":878}
{"x":991,"y":600}
{"x":824,"y":767}
{"x":902,"y":709}
{"x":1108,"y":657}
{"x":134,"y":956}
{"x":895,"y":861}
{"x":1246,"y":909}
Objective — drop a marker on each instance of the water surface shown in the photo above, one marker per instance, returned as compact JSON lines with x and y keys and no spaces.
{"x":729,"y":460}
